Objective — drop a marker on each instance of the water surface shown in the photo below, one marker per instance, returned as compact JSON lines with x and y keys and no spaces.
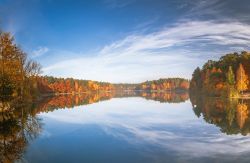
{"x":128,"y":128}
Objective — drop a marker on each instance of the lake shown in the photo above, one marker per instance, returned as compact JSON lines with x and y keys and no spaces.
{"x":126,"y":127}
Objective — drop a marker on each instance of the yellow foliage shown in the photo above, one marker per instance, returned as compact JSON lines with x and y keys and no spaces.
{"x":242,"y":79}
{"x":242,"y":114}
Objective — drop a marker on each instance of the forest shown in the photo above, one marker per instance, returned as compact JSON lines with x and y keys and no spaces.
{"x":227,"y":77}
{"x":49,"y":84}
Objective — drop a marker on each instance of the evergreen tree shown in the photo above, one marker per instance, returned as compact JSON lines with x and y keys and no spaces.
{"x":230,"y":76}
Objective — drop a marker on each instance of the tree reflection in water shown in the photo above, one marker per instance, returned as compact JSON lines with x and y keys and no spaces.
{"x":69,"y":101}
{"x":17,"y":128}
{"x":230,"y":115}
{"x":19,"y":123}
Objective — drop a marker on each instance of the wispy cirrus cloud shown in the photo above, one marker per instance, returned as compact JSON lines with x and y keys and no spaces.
{"x":185,"y":33}
{"x":39,"y":51}
{"x":229,"y":10}
{"x":138,"y":57}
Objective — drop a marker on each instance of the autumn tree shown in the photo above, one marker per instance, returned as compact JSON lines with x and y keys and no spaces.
{"x":242,"y":79}
{"x":16,"y":71}
{"x":9,"y":64}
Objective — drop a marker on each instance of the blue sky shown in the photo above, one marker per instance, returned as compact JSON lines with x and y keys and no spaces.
{"x":126,"y":41}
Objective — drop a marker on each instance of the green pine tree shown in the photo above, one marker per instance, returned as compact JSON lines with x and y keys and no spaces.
{"x":230,"y":76}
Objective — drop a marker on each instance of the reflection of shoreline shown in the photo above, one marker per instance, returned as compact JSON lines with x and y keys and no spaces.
{"x":18,"y":126}
{"x":50,"y":103}
{"x":112,"y":91}
{"x":231,"y":116}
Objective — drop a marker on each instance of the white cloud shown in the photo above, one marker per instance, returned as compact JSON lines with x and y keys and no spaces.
{"x":172,"y":51}
{"x":39,"y":51}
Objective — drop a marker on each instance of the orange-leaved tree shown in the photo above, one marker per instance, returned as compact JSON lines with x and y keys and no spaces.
{"x":242,"y":79}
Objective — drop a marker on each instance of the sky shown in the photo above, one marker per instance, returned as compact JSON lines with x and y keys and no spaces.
{"x":126,"y":40}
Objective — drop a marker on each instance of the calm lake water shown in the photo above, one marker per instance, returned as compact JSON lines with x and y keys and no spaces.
{"x":130,"y":127}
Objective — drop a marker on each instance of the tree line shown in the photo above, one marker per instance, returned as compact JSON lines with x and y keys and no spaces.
{"x":227,"y":77}
{"x":49,"y":84}
{"x":167,"y":84}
